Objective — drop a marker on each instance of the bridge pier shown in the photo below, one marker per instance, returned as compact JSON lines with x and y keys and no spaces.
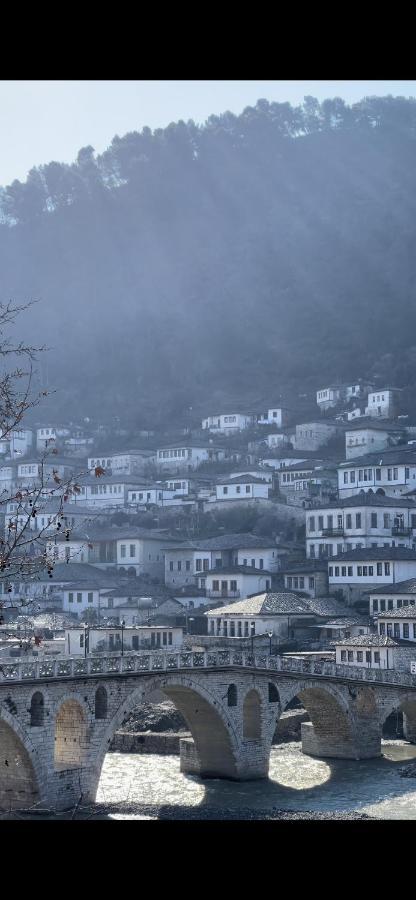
{"x":252,"y":762}
{"x":360,"y":744}
{"x":409,"y":728}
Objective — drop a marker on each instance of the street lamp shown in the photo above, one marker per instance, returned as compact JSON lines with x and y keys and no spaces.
{"x":252,"y":632}
{"x":189,"y":619}
{"x":85,"y":639}
{"x":122,"y":623}
{"x":270,"y":634}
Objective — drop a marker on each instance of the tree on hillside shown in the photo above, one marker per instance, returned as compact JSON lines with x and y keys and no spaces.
{"x":25,"y":547}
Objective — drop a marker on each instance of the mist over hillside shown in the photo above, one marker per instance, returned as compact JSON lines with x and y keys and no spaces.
{"x":253,"y":256}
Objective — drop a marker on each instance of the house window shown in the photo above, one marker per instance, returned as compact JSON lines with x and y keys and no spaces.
{"x":379,"y":568}
{"x":343,"y":655}
{"x":171,"y":566}
{"x":352,"y":477}
{"x":396,"y":630}
{"x":179,"y":565}
{"x":405,"y":630}
{"x":387,"y":568}
{"x":375,"y":605}
{"x":376,"y":657}
{"x":312,"y":523}
{"x":350,"y":655}
{"x":199,"y":565}
{"x":349,"y":520}
{"x":343,"y":571}
{"x":70,"y":598}
{"x":90,"y":596}
{"x":374,"y":520}
{"x":330,"y":571}
{"x":389,"y":604}
{"x":345,"y":477}
{"x":320,"y":523}
{"x":359,"y":655}
{"x":205,"y":565}
{"x":336,"y":571}
{"x":311,"y":582}
{"x":225,"y":490}
{"x":247,"y":488}
{"x":382,"y":628}
{"x":233,"y":586}
{"x":79,"y":598}
{"x":245,"y":629}
{"x":368,"y":656}
{"x":359,"y":570}
{"x":132,"y":550}
{"x":232,"y":628}
{"x":358,"y":520}
{"x":188,"y":565}
{"x":389,"y":629}
{"x":123,"y":549}
{"x":215,"y":585}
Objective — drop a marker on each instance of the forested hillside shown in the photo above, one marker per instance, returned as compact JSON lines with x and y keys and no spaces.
{"x":252,"y":256}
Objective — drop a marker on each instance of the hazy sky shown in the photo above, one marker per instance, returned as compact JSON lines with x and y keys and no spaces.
{"x":51,"y":120}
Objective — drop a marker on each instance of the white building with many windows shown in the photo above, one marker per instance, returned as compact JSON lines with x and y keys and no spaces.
{"x":182,"y":458}
{"x":242,"y":487}
{"x":399,"y":624}
{"x":392,"y":597}
{"x":364,"y":520}
{"x":358,"y":571}
{"x":365,"y":438}
{"x":278,"y":415}
{"x":192,"y":559}
{"x":383,"y":403}
{"x":392,"y":472}
{"x":234,"y":582}
{"x":228,"y":423}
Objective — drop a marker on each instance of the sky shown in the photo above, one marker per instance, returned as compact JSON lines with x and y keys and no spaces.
{"x":41,"y":121}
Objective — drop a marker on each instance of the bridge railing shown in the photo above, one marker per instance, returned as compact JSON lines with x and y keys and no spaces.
{"x":159,"y":661}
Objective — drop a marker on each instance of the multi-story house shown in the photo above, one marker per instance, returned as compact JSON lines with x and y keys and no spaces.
{"x":128,"y":462}
{"x":367,"y":437}
{"x":193,"y":559}
{"x":392,"y":596}
{"x":228,"y":423}
{"x":279,"y":439}
{"x":392,"y":472}
{"x":234,"y":582}
{"x":383,"y":403}
{"x":330,"y":396}
{"x":20,"y":442}
{"x":356,"y":571}
{"x":278,"y":415}
{"x":364,"y":520}
{"x":242,"y":487}
{"x":142,"y":552}
{"x":182,"y":458}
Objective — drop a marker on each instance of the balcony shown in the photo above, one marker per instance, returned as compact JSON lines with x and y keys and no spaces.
{"x":401,"y":531}
{"x":333,"y":532}
{"x":223,"y":595}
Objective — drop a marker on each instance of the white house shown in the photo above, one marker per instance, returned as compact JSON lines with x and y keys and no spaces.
{"x":365,"y":438}
{"x":369,"y":651}
{"x":242,"y":487}
{"x":364,"y":520}
{"x":383,"y":403}
{"x":234,"y":582}
{"x":392,"y":597}
{"x":278,"y":415}
{"x":80,"y":596}
{"x":399,"y":624}
{"x":228,"y":423}
{"x":278,"y":439}
{"x":107,"y":490}
{"x":46,"y":435}
{"x":390,"y":471}
{"x":329,"y":396}
{"x":259,"y":615}
{"x":20,"y":442}
{"x":192,"y":559}
{"x":80,"y":641}
{"x":356,"y":571}
{"x":127,"y":462}
{"x":181,"y":458}
{"x":143,"y":553}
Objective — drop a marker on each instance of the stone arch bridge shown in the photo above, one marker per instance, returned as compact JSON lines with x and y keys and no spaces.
{"x":58,"y":717}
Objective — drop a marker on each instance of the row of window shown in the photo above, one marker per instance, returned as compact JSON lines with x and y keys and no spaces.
{"x":298,"y":581}
{"x":327,"y":550}
{"x":390,"y":604}
{"x":140,"y":496}
{"x":102,"y":488}
{"x":236,"y":629}
{"x":237,"y":489}
{"x":293,"y":476}
{"x":361,"y":571}
{"x":393,"y":629}
{"x":101,"y":462}
{"x":169,"y":454}
{"x":224,"y":585}
{"x":230,"y":418}
{"x":90,"y":597}
{"x":359,"y":656}
{"x":389,"y":520}
{"x":367,"y":474}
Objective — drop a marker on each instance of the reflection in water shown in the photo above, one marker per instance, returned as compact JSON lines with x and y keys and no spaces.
{"x":295,"y":782}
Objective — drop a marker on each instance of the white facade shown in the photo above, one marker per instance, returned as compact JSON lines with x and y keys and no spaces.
{"x":369,"y":657}
{"x":394,"y":479}
{"x":278,"y":440}
{"x":395,"y":599}
{"x":126,"y":463}
{"x":233,"y":585}
{"x":243,"y":490}
{"x":184,"y":564}
{"x":278,"y":416}
{"x":334,"y":530}
{"x":328,"y":397}
{"x":227,"y":423}
{"x":184,"y":458}
{"x":144,"y":555}
{"x":401,"y":627}
{"x":382,"y":403}
{"x":20,"y":442}
{"x":110,"y":639}
{"x":77,"y":599}
{"x":368,"y":572}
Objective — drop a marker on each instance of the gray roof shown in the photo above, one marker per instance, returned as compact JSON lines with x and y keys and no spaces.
{"x":365,"y":499}
{"x":374,"y":553}
{"x":368,"y":640}
{"x":395,"y":456}
{"x":230,"y":542}
{"x":282,"y":603}
{"x":401,"y":587}
{"x":405,"y":612}
{"x":241,"y":479}
{"x":235,"y":570}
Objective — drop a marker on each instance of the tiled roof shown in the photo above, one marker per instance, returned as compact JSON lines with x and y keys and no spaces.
{"x":230,"y":542}
{"x":405,"y":612}
{"x":241,"y":479}
{"x":366,"y":499}
{"x":368,"y":640}
{"x":401,"y":587}
{"x":374,"y":553}
{"x":235,"y":570}
{"x":266,"y":604}
{"x":395,"y":456}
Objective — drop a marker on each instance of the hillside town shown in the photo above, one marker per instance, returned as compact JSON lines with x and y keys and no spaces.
{"x":260,"y":529}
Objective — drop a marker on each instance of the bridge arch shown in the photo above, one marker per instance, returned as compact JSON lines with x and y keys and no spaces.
{"x":406,"y":705}
{"x":330,"y":731}
{"x":21,"y":775}
{"x":214,"y":733}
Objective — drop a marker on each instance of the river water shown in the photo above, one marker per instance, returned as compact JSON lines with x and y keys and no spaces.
{"x":150,"y":785}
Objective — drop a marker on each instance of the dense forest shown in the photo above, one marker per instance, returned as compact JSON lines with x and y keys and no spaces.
{"x":251,"y":257}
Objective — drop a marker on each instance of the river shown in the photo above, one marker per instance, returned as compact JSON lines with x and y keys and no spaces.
{"x":152,"y":787}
